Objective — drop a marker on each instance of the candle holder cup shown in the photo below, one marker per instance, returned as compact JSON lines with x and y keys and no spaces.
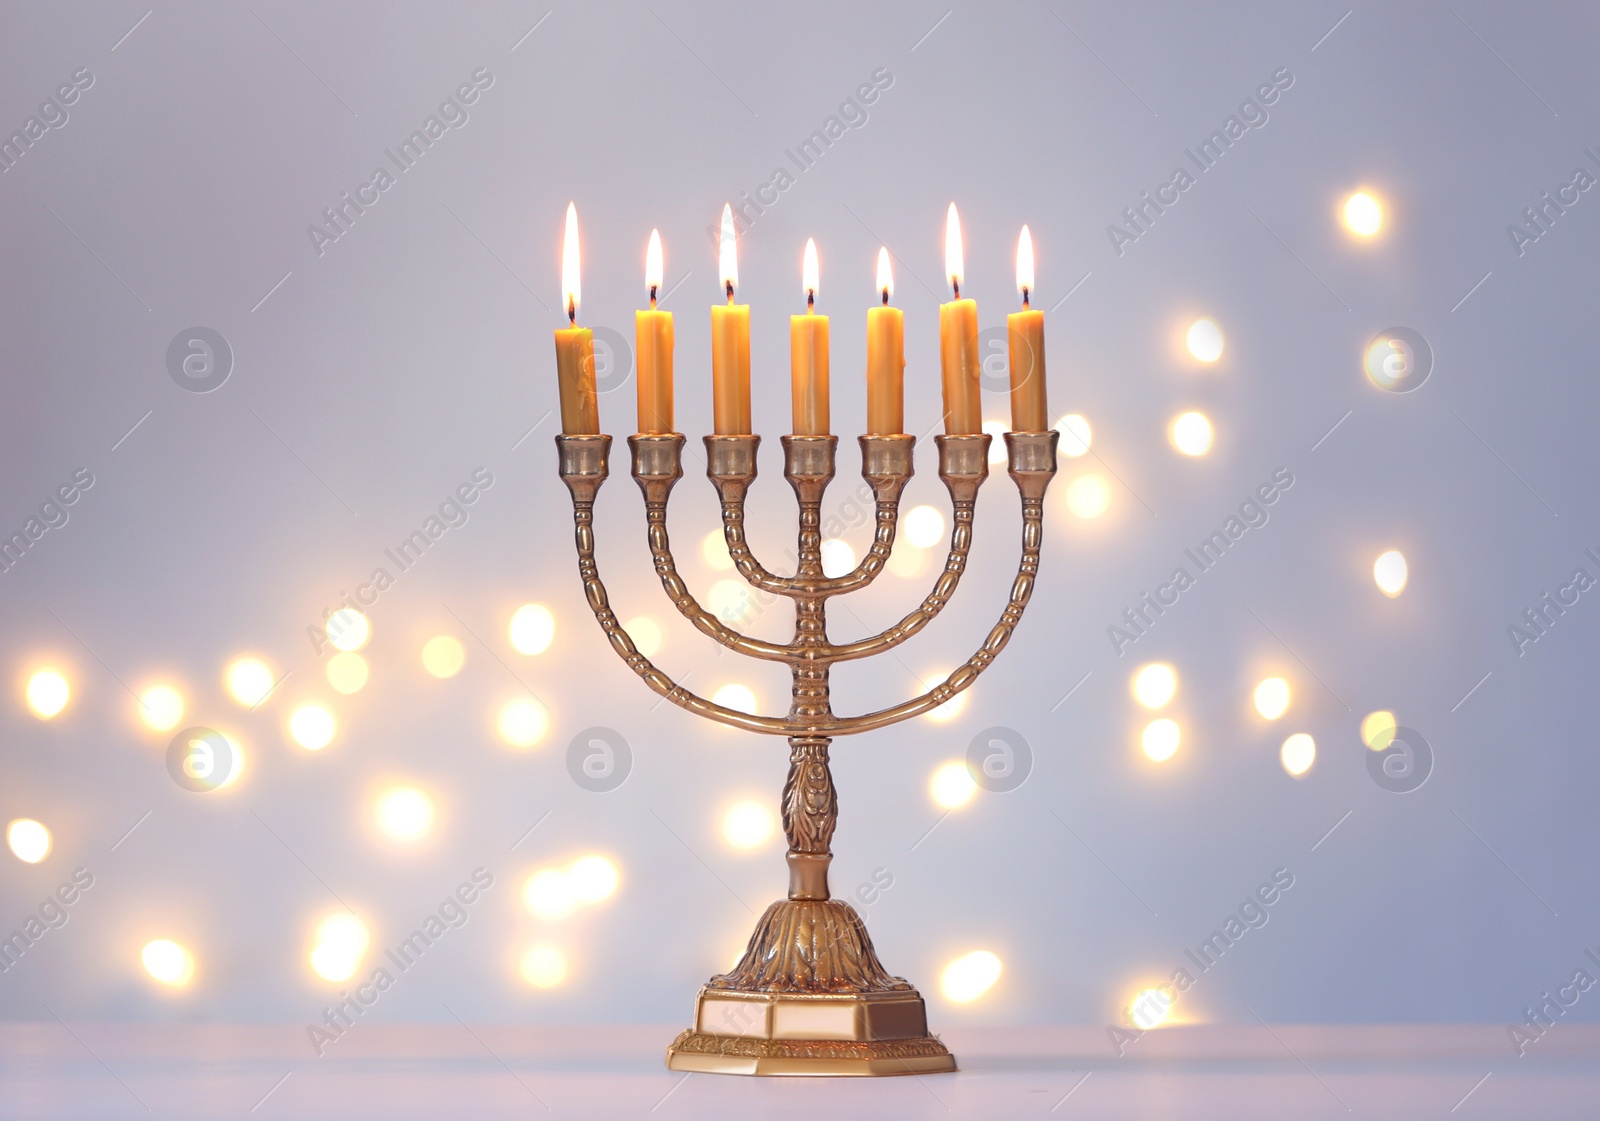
{"x":809,"y":996}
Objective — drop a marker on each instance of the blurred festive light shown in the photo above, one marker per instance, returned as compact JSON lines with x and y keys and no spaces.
{"x":1160,"y":739}
{"x":951,"y":708}
{"x":969,"y":976}
{"x":404,"y":814}
{"x":312,"y":727}
{"x":1153,"y":685}
{"x":168,"y":962}
{"x":1149,"y":1008}
{"x":740,"y":698}
{"x":1299,"y":752}
{"x":549,"y":893}
{"x":348,"y":629}
{"x":29,"y":840}
{"x":1191,"y":433}
{"x":1272,"y":697}
{"x":1390,"y":573}
{"x":1377,"y":729}
{"x":443,"y":655}
{"x":523,"y":722}
{"x":593,"y":878}
{"x":924,"y":526}
{"x":1205,"y":340}
{"x":249,"y":681}
{"x":341,"y":941}
{"x":907,"y":561}
{"x":748,"y":825}
{"x":347,"y":672}
{"x":731,"y":600}
{"x":997,"y":446}
{"x":646,"y":634}
{"x":1363,"y":214}
{"x":714,"y":551}
{"x":533,"y":629}
{"x":1076,"y":438}
{"x":544,"y":967}
{"x":161,"y":708}
{"x":47,"y":693}
{"x":1088,"y":496}
{"x":838,"y":558}
{"x":951,"y":785}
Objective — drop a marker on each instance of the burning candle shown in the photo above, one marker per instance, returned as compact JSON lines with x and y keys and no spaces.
{"x":808,"y":356}
{"x":1025,"y":329}
{"x":886,"y":359}
{"x":730,"y":345}
{"x":959,"y":360}
{"x":580,"y":410}
{"x":653,"y":338}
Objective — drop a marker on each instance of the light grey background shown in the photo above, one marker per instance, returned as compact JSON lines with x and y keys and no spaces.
{"x":380,"y":373}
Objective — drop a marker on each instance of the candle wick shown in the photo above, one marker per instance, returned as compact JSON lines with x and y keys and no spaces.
{"x":653,"y":297}
{"x":811,"y":298}
{"x":572,"y":312}
{"x":1024,"y":297}
{"x":729,"y":285}
{"x":885,"y":297}
{"x":956,"y":284}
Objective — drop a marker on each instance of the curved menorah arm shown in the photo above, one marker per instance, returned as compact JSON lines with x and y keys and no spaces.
{"x":584,"y":468}
{"x":657,"y":466}
{"x":1033,"y":464}
{"x":886,"y":465}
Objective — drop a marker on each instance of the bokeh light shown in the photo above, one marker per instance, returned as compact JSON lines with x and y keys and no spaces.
{"x":732,"y":601}
{"x":738,"y":697}
{"x":1378,"y":728}
{"x":646,"y":634}
{"x":593,"y":878}
{"x":1298,"y":753}
{"x":168,"y":962}
{"x":923,"y":526}
{"x":951,"y":786}
{"x":1204,"y":339}
{"x":533,"y":629}
{"x":1088,"y":496}
{"x":1362,"y":214}
{"x":1150,"y":1008}
{"x":549,"y":893}
{"x":312,"y":727}
{"x":969,"y":976}
{"x":161,"y":708}
{"x":348,"y":629}
{"x":1076,"y":437}
{"x":347,"y":672}
{"x":838,"y":558}
{"x":544,"y":967}
{"x":249,"y":681}
{"x":951,"y":708}
{"x":1390,"y":573}
{"x":404,"y":814}
{"x":997,"y":446}
{"x":443,"y":655}
{"x":1272,"y":697}
{"x":47,"y":693}
{"x":523,"y":722}
{"x":1191,"y":433}
{"x":340,"y":943}
{"x":1153,"y":685}
{"x":29,"y":840}
{"x":714,"y":551}
{"x":1160,"y":739}
{"x":749,"y":825}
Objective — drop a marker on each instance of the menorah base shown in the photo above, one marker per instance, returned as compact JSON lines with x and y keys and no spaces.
{"x":816,"y":1034}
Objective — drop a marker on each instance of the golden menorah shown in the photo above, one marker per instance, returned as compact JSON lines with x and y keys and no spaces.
{"x":809,"y":995}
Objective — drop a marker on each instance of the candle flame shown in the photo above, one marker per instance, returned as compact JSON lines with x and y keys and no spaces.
{"x":953,"y":265}
{"x":1025,"y":263}
{"x":727,"y":251}
{"x":652,"y":263}
{"x":808,"y":271}
{"x":569,"y":264}
{"x":885,"y":276}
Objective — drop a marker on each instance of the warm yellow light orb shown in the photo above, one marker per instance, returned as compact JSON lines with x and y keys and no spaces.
{"x":161,"y":708}
{"x":1160,"y":739}
{"x":347,"y":672}
{"x":646,"y":634}
{"x":748,"y":825}
{"x":249,"y":681}
{"x":544,"y":967}
{"x":1377,"y":729}
{"x":714,"y":551}
{"x":1191,"y":433}
{"x":1154,"y":685}
{"x":593,"y":878}
{"x":29,"y":840}
{"x":1363,"y":214}
{"x":951,"y":786}
{"x":1389,"y":572}
{"x":1298,"y":753}
{"x":533,"y":629}
{"x":1088,"y":496}
{"x":732,"y":601}
{"x":969,"y":976}
{"x":523,"y":722}
{"x":549,"y":894}
{"x":738,"y":697}
{"x":997,"y":445}
{"x":1272,"y":697}
{"x":341,"y":941}
{"x":443,"y":655}
{"x":404,"y":814}
{"x":1076,"y":437}
{"x":1150,"y":1008}
{"x":348,"y":629}
{"x":168,"y":962}
{"x":923,"y":526}
{"x":312,"y":727}
{"x":951,"y":708}
{"x":1204,"y":340}
{"x":838,"y":558}
{"x":47,"y":693}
